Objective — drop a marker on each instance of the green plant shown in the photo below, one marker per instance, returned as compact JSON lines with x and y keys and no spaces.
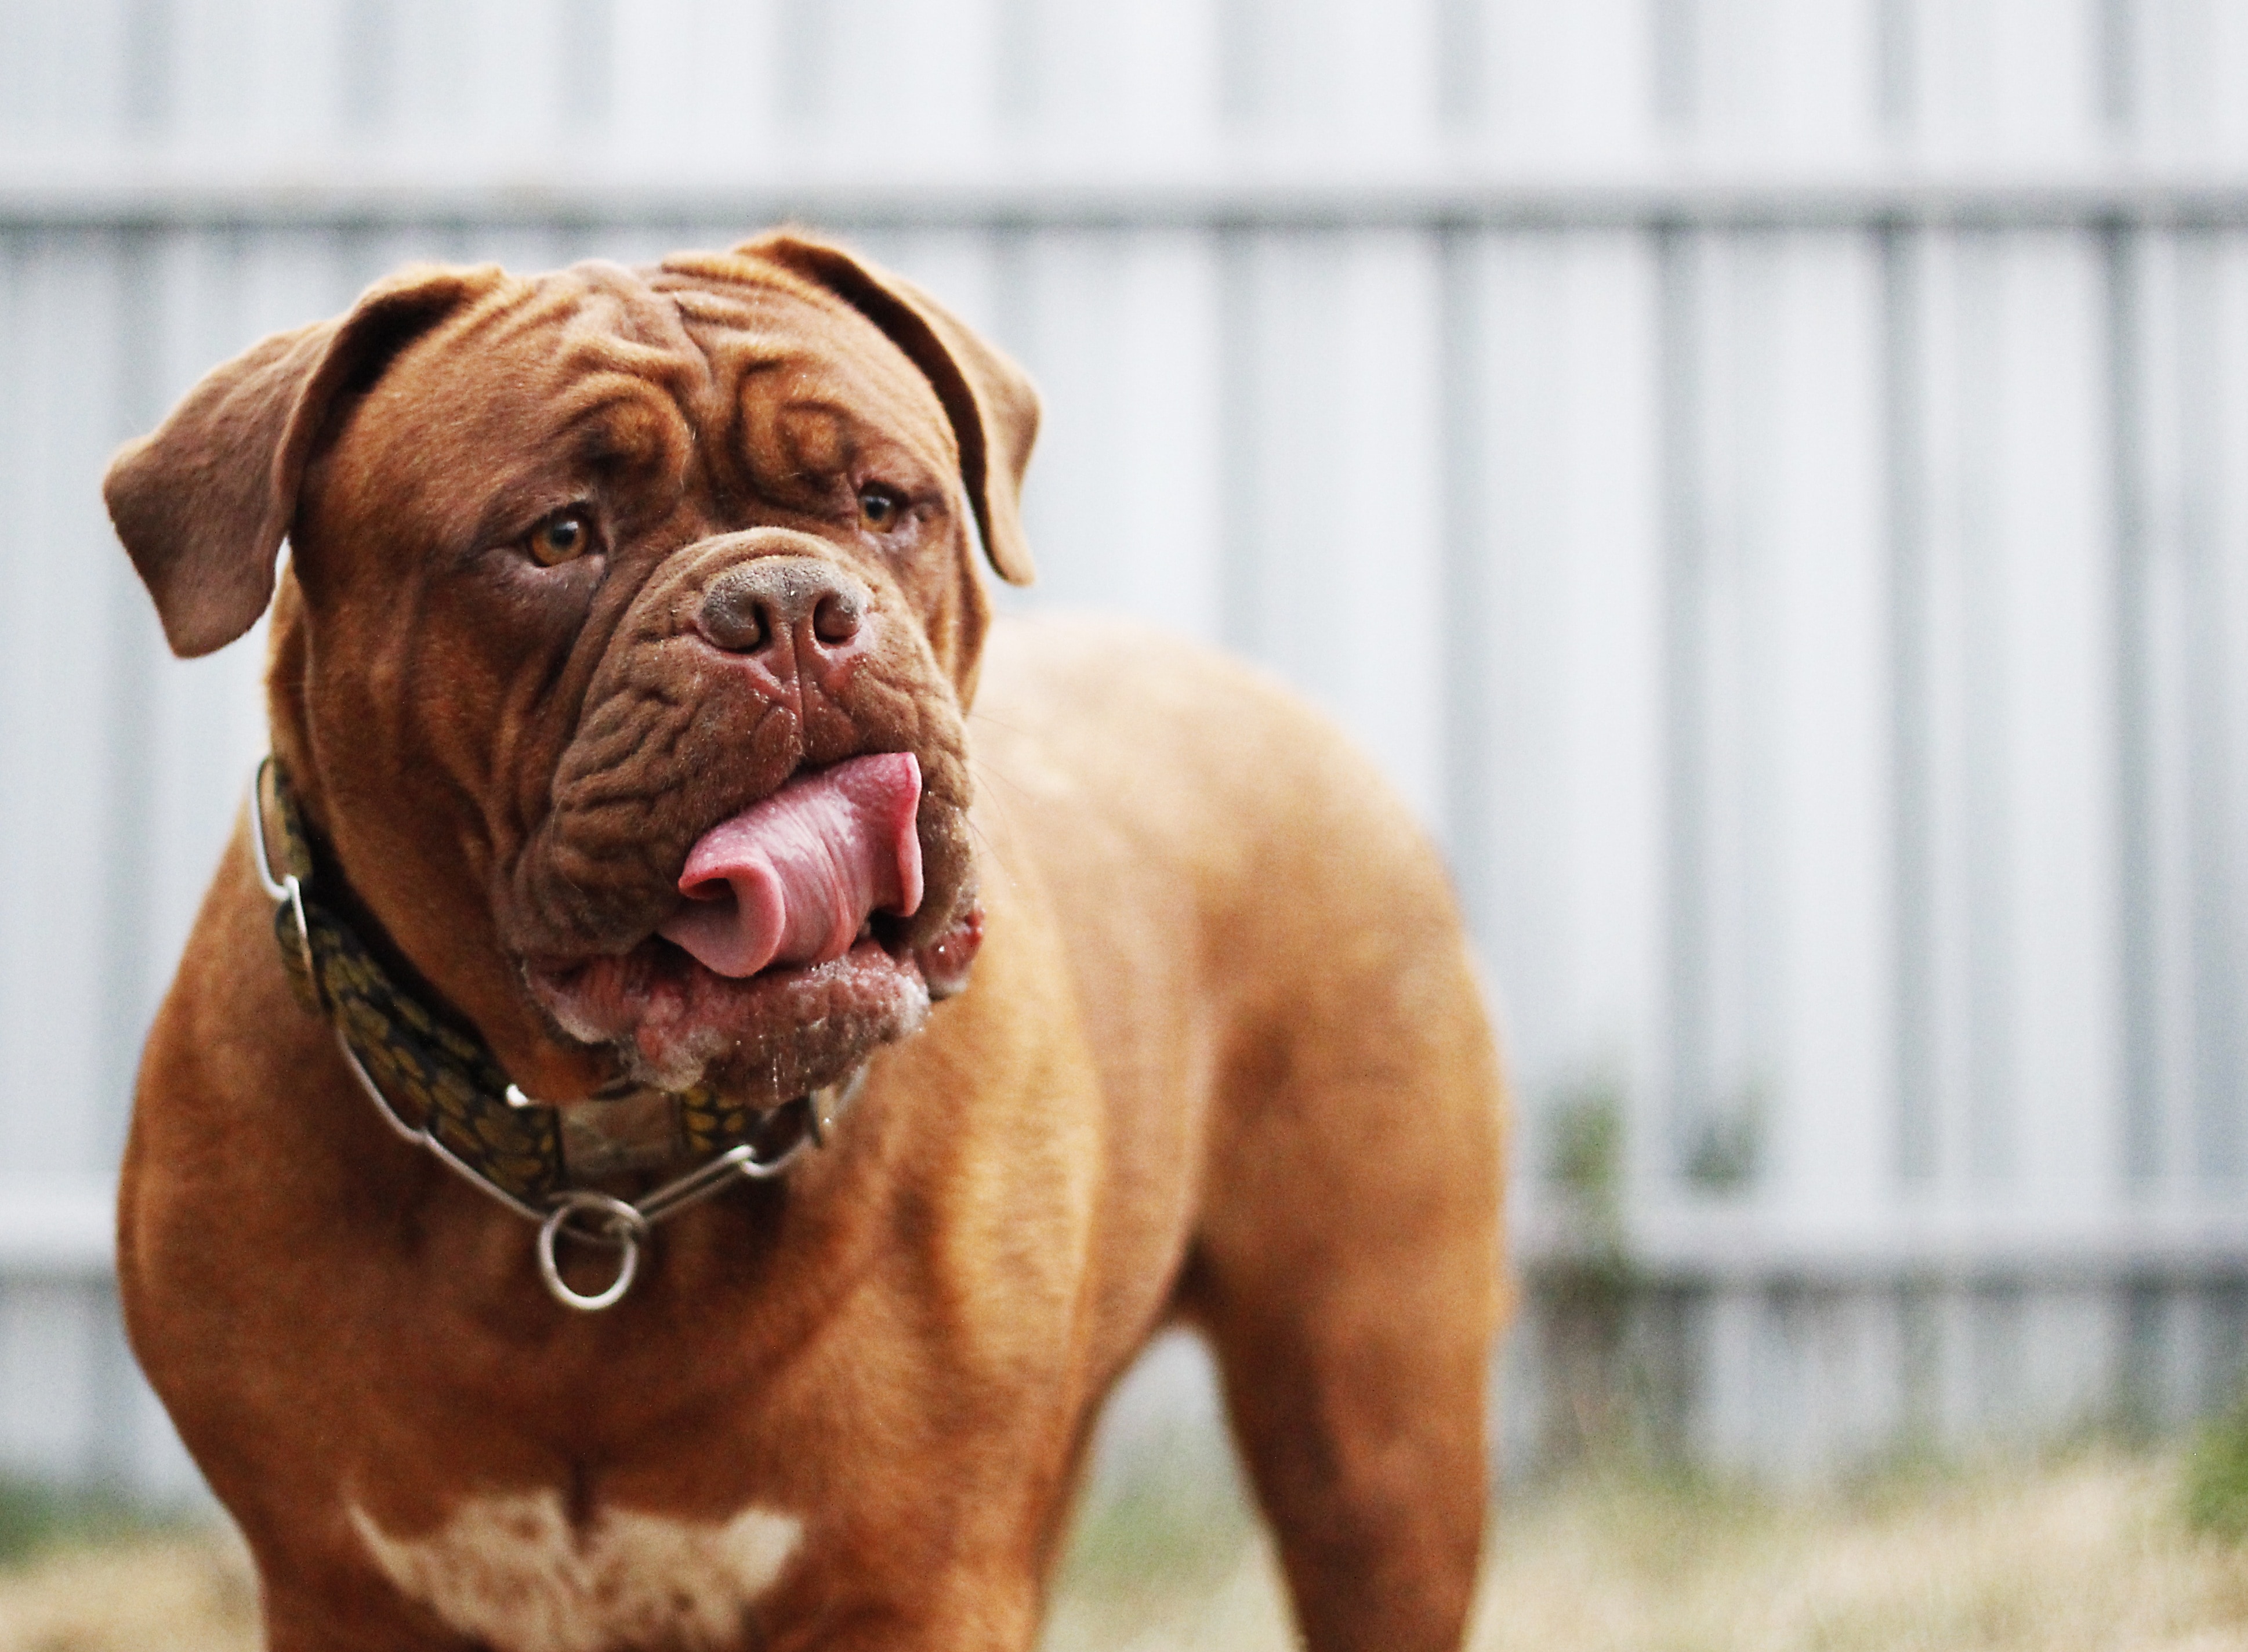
{"x":1726,"y":1152}
{"x":2216,"y":1475}
{"x":1584,"y":1151}
{"x":1176,"y":1521}
{"x":35,"y":1515}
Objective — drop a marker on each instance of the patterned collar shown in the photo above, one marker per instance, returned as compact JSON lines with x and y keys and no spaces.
{"x":444,"y":1090}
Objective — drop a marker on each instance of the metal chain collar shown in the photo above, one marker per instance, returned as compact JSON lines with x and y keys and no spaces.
{"x":472,"y":1118}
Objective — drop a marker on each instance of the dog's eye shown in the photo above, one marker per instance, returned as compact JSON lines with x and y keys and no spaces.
{"x":880,"y":507}
{"x":562,"y":537}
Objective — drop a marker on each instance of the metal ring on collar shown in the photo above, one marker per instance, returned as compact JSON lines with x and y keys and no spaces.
{"x":286,"y":889}
{"x":624,"y":1227}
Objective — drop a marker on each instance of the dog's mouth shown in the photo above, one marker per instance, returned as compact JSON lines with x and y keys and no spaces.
{"x":796,"y":878}
{"x":790,"y":957}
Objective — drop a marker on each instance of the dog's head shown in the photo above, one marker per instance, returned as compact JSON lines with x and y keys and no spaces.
{"x":630,"y":622}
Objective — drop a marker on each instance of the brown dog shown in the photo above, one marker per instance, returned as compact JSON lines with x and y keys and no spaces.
{"x":619,"y":694}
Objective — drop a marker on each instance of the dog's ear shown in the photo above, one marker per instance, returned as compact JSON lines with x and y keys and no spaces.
{"x":992,"y":403}
{"x":203,"y":503}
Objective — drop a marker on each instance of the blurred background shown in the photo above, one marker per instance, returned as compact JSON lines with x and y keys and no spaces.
{"x":1767,"y":478}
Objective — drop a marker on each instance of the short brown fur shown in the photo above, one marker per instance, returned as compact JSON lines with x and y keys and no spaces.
{"x":1221,"y":1059}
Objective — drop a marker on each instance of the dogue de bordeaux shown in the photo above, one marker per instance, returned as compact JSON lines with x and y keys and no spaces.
{"x":707,"y":1056}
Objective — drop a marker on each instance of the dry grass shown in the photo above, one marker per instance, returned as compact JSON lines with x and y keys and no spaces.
{"x":191,"y":1594}
{"x":2088,"y":1553}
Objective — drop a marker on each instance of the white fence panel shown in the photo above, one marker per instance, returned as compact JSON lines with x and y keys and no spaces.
{"x":1557,"y":807}
{"x":1125,"y":329}
{"x":60,"y":414}
{"x":1333,"y":496}
{"x":1768,"y":481}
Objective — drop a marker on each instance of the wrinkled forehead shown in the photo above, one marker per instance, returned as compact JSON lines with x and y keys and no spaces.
{"x":635,"y":369}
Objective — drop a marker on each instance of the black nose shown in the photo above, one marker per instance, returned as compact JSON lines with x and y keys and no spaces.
{"x":755,"y":604}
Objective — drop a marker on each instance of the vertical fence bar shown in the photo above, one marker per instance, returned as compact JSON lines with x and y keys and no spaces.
{"x":1896,"y":44}
{"x":2144,"y":1152}
{"x":1014,"y":285}
{"x":369,"y":80}
{"x":1989,"y":794}
{"x":803,"y":43}
{"x":148,"y":85}
{"x":1018,"y":53}
{"x":1241,"y":482}
{"x":1905,"y":466}
{"x":1674,"y":28}
{"x":1470,"y":599}
{"x":1460,"y":39}
{"x":589,"y":89}
{"x":2118,"y":63}
{"x":130,"y":758}
{"x":1678,"y":329}
{"x":1242,"y":84}
{"x":2143,"y":1144}
{"x":2213,"y":943}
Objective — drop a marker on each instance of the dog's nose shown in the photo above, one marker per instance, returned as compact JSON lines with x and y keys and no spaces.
{"x":753,"y":604}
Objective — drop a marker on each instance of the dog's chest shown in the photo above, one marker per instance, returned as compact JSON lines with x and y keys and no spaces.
{"x":513,"y":1573}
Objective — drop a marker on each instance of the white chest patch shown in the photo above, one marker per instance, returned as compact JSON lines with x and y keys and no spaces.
{"x":511,"y":1572}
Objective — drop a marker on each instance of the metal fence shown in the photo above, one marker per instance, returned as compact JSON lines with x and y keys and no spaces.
{"x":1768,"y":479}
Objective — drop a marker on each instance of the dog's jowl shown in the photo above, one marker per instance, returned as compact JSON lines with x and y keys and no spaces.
{"x":708,"y":1055}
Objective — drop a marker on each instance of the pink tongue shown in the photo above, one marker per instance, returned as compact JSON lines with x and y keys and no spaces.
{"x":791,"y":879}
